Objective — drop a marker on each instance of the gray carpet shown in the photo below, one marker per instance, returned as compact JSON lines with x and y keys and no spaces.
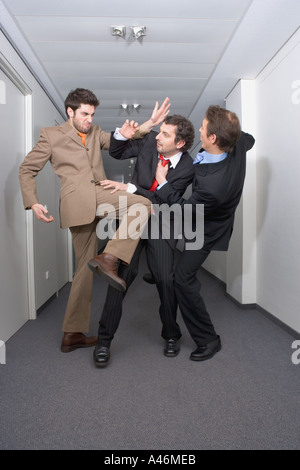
{"x":246,"y":397}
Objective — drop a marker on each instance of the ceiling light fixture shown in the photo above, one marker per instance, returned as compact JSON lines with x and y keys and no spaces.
{"x":118,"y":31}
{"x":128,"y":107}
{"x":138,"y":31}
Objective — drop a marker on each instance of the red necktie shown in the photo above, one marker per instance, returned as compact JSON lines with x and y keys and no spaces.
{"x":164,"y":163}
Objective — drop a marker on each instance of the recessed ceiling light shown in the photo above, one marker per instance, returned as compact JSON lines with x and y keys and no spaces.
{"x":138,"y":31}
{"x":118,"y":31}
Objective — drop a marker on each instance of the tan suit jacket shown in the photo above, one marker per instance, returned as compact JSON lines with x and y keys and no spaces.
{"x":78,"y":166}
{"x":75,"y":164}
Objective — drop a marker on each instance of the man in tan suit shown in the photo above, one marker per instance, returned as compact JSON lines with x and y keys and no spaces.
{"x":74,"y":151}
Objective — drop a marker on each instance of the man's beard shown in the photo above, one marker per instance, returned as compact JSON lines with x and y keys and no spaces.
{"x":79,"y":128}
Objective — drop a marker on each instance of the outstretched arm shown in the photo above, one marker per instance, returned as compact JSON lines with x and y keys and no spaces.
{"x":158,"y":115}
{"x":131,"y":129}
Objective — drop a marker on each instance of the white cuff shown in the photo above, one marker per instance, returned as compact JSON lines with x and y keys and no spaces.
{"x":131,"y":188}
{"x":161,"y":185}
{"x":118,"y":135}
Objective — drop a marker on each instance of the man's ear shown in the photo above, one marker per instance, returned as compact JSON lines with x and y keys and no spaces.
{"x":70,"y":112}
{"x":213,"y":138}
{"x":180,"y":144}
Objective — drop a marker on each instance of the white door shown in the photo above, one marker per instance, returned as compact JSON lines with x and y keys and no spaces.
{"x":14,"y":310}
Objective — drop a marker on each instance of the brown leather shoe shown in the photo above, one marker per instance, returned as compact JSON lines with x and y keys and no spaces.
{"x":107,"y":265}
{"x":73,"y":341}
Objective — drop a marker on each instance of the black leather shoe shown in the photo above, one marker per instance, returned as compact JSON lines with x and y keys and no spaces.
{"x":202,"y":353}
{"x":172,"y":347}
{"x":101,"y":355}
{"x":149,"y":278}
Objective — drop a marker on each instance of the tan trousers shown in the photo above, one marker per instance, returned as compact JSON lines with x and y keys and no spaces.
{"x":135,"y":211}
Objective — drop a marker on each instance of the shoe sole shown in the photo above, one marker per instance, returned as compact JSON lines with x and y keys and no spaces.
{"x":96,"y":269}
{"x":66,"y":349}
{"x":205,"y":358}
{"x":171,"y":354}
{"x":102,"y":363}
{"x":100,"y":366}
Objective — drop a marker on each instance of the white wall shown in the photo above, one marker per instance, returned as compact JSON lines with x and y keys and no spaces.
{"x":14,"y":309}
{"x":50,"y":243}
{"x":278,"y":185}
{"x":241,"y":256}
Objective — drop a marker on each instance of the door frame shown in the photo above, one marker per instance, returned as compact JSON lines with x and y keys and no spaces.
{"x":24,"y":88}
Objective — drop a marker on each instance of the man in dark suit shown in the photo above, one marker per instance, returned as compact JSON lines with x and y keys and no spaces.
{"x":172,"y":142}
{"x":219,"y":178}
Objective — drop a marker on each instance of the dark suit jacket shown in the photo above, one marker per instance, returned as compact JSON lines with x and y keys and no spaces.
{"x":218,"y":186}
{"x":145,"y":167}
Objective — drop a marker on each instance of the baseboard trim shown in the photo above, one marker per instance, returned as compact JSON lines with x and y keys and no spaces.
{"x":257,"y":307}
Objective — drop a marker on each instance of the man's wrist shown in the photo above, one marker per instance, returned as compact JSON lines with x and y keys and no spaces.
{"x":161,"y":185}
{"x":118,"y":135}
{"x":131,"y":188}
{"x":145,"y":128}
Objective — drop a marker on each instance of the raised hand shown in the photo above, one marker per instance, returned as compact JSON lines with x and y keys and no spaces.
{"x":159,"y":114}
{"x":129,"y":129}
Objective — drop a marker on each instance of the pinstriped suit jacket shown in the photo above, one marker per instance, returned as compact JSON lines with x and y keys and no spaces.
{"x":145,"y":151}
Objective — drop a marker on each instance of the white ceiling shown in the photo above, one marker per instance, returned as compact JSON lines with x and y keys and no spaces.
{"x":194,"y":51}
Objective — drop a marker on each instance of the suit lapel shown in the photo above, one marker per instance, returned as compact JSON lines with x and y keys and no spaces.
{"x":68,"y":130}
{"x":154,"y":162}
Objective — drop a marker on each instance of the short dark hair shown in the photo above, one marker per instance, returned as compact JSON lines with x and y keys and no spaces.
{"x":184,"y":130}
{"x":78,"y":97}
{"x":225,"y":125}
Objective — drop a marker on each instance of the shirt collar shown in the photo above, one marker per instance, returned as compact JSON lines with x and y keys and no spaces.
{"x":205,"y":157}
{"x":174,"y":160}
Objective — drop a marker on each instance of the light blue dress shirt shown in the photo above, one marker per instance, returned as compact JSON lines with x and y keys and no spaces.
{"x":205,"y":157}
